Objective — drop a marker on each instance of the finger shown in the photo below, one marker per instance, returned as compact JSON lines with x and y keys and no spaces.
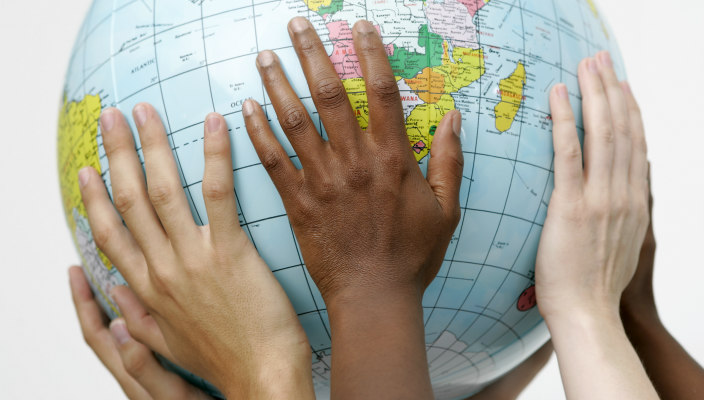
{"x":620,"y":120}
{"x":271,"y":154}
{"x":163,"y":182}
{"x":447,"y":164}
{"x":639,"y":160}
{"x":218,"y":181}
{"x":109,"y":234}
{"x":144,"y":368}
{"x":94,"y":327}
{"x":385,"y":108}
{"x":599,"y":135}
{"x":128,"y":185}
{"x":569,"y":177}
{"x":292,"y":115}
{"x":328,"y":93}
{"x":140,"y":323}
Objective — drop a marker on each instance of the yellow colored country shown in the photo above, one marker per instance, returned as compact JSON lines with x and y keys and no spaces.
{"x":468,"y":67}
{"x":422,"y":122}
{"x":595,"y":11}
{"x":357,"y":93}
{"x":511,"y":90}
{"x":315,"y":5}
{"x":78,"y":148}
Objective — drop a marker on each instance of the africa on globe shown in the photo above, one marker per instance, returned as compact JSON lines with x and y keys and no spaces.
{"x":493,"y":60}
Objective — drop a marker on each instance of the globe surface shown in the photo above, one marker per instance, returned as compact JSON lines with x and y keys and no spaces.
{"x":494,"y":60}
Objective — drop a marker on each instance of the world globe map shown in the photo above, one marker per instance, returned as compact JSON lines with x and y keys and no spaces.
{"x":493,"y":60}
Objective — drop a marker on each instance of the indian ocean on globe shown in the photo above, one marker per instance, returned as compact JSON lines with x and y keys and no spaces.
{"x":493,"y":60}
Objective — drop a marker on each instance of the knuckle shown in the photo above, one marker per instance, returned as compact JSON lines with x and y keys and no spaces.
{"x":607,"y":135}
{"x":214,"y":190}
{"x":162,"y":280}
{"x":359,"y":176}
{"x":572,"y":153}
{"x":331,"y":92}
{"x":135,"y":363}
{"x":622,"y":127}
{"x":303,"y":211}
{"x":271,"y":161}
{"x":307,"y":46}
{"x":326,"y":190}
{"x":564,"y":117}
{"x":124,"y":201}
{"x":384,"y":87}
{"x":395,"y":160}
{"x":160,"y":194}
{"x":456,"y":165}
{"x":101,"y":236}
{"x":293,"y":120}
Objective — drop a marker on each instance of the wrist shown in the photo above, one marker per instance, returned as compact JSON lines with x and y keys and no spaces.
{"x":378,"y":343}
{"x":276,"y":379}
{"x":586,"y":319}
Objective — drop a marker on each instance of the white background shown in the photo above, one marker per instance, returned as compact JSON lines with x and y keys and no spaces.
{"x":42,"y":355}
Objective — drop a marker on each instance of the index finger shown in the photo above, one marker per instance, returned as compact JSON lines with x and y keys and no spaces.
{"x":385,"y":108}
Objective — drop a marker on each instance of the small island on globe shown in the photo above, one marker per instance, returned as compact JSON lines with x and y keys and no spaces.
{"x":493,"y":60}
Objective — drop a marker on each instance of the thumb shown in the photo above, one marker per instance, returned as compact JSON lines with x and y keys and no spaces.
{"x":446,"y":164}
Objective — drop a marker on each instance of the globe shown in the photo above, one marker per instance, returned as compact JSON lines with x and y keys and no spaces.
{"x":493,"y":60}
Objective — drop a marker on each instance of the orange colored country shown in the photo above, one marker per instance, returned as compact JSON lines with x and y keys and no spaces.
{"x":429,"y":85}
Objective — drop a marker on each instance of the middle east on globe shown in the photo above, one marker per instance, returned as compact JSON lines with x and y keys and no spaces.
{"x":493,"y":60}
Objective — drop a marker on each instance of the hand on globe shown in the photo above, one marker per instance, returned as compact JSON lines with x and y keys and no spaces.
{"x":372,"y":230}
{"x":131,"y":362}
{"x":222,"y":313}
{"x":598,"y":214}
{"x":597,"y":219}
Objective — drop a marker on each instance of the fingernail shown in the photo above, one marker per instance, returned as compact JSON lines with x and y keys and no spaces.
{"x":457,"y":124}
{"x":248,"y":108}
{"x":605,"y":59}
{"x":299,"y":24}
{"x":140,"y":115}
{"x":562,"y":92}
{"x":213,"y":123}
{"x":365,"y":27}
{"x":107,"y":121}
{"x":118,"y":328}
{"x":265,"y":58}
{"x":74,"y":278}
{"x":83,"y":177}
{"x":591,"y":65}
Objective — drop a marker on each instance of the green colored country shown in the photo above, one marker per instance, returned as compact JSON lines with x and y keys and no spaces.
{"x":407,"y":64}
{"x":334,"y":7}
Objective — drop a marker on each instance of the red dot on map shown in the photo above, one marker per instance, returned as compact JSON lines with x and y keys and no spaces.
{"x":527,"y":299}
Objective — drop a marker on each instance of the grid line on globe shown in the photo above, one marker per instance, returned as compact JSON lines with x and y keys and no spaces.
{"x":197,"y":56}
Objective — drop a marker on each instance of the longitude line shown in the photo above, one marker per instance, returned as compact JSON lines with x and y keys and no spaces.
{"x":166,"y":112}
{"x":505,"y":202}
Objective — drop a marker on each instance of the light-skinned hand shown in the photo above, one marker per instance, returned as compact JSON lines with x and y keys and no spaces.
{"x":223,"y":315}
{"x":597,"y":219}
{"x":372,"y":229}
{"x":133,"y":364}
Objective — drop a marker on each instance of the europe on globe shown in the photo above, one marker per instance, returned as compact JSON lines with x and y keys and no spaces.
{"x":493,"y":60}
